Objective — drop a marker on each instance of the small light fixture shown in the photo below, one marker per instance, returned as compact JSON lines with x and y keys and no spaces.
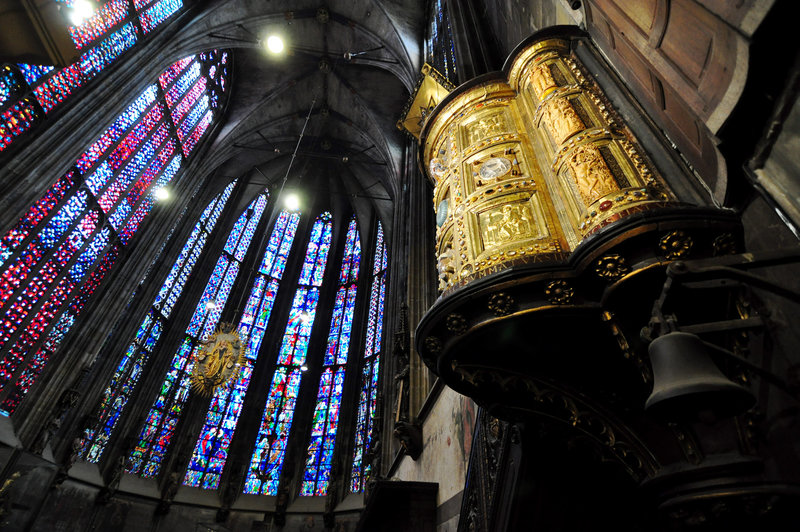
{"x":275,"y":44}
{"x":161,"y":194}
{"x":305,"y":317}
{"x":292,"y":201}
{"x":304,"y":367}
{"x":211,"y":305}
{"x":82,"y":10}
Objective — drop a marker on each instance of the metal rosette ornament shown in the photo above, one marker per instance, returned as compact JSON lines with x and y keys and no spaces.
{"x":218,"y":360}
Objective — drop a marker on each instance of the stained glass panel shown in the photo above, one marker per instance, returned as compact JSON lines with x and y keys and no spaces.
{"x":319,"y":454}
{"x":211,"y":450}
{"x":267,"y":459}
{"x":165,"y":413}
{"x":370,"y":373}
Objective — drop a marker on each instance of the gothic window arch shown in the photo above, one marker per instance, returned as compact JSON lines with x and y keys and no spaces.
{"x":211,"y":449}
{"x":165,"y":413}
{"x":440,"y":49}
{"x":369,"y":377}
{"x":319,"y":454}
{"x":126,"y":377}
{"x":266,"y":462}
{"x":54,"y":258}
{"x":29,"y":92}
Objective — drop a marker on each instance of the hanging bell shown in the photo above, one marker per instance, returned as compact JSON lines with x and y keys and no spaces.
{"x":687,"y":384}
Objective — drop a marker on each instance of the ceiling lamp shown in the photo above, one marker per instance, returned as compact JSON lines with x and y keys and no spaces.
{"x":161,"y":194}
{"x":275,"y":44}
{"x":292,"y":201}
{"x":81,"y":11}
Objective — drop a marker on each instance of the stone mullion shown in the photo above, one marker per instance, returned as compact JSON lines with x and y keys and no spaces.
{"x":473,"y":48}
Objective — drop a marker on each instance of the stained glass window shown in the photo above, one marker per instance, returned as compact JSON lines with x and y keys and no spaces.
{"x":267,"y":460}
{"x":439,"y":45}
{"x":211,"y":450}
{"x":160,"y":424}
{"x":114,"y":28}
{"x":56,"y":255}
{"x":130,"y":367}
{"x":370,"y":372}
{"x":319,"y":455}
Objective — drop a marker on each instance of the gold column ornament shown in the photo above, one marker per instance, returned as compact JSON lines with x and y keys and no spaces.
{"x":218,"y":360}
{"x":525,"y":168}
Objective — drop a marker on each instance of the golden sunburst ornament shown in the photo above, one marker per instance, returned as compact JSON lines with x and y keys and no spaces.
{"x":218,"y":360}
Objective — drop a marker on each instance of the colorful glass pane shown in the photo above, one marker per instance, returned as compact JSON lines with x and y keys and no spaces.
{"x":267,"y":460}
{"x":319,"y":453}
{"x":165,"y":413}
{"x":369,"y":378}
{"x":211,"y":450}
{"x":130,"y":368}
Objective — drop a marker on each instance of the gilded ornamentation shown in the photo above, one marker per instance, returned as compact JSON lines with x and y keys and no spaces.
{"x":433,"y":345}
{"x":507,"y":223}
{"x":591,"y":174}
{"x":542,"y":81}
{"x":456,"y":323}
{"x":724,"y":244}
{"x":561,"y":119}
{"x":559,"y":292}
{"x":218,"y":361}
{"x":500,"y":304}
{"x":675,"y":245}
{"x":611,"y":267}
{"x":486,"y":127}
{"x":446,"y":265}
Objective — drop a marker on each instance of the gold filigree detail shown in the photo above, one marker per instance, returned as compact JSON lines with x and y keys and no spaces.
{"x":611,"y":267}
{"x":456,"y":323}
{"x":675,"y":245}
{"x":501,"y":304}
{"x":559,"y":292}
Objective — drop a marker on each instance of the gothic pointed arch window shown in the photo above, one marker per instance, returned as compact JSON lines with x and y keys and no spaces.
{"x":55,"y":257}
{"x":211,"y":449}
{"x":29,"y":92}
{"x":266,"y":462}
{"x":319,"y":454}
{"x":165,"y":412}
{"x":126,"y":377}
{"x":369,"y":378}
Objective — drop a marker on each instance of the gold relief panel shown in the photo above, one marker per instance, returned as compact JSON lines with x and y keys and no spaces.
{"x":486,"y":124}
{"x":499,"y":163}
{"x":506,"y":223}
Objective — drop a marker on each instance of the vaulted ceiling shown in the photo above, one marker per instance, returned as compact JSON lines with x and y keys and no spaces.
{"x":348,"y":67}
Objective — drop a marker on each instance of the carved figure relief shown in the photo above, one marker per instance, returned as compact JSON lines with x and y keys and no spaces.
{"x":561,"y":119}
{"x":446,"y":265}
{"x":486,"y":127}
{"x":591,"y":174}
{"x":542,"y":80}
{"x":510,"y":222}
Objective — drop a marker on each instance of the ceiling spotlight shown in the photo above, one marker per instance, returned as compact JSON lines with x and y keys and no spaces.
{"x":161,"y":194}
{"x":275,"y":44}
{"x":303,"y":368}
{"x":82,"y":11}
{"x":292,"y":202}
{"x":211,"y":305}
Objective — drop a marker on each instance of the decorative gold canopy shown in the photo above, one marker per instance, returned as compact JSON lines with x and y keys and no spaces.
{"x":431,"y":89}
